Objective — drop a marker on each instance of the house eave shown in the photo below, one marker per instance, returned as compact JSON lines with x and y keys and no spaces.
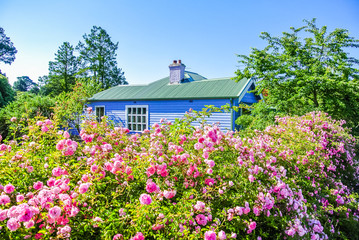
{"x":154,"y":99}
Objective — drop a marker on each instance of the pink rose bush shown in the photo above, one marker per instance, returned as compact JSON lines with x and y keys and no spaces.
{"x":294,"y":180}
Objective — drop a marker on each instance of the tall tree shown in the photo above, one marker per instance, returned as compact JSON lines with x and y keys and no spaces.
{"x":62,"y":71}
{"x":306,"y":69}
{"x":7,"y":49}
{"x":6,"y":93}
{"x":24,"y":84}
{"x":98,"y":54}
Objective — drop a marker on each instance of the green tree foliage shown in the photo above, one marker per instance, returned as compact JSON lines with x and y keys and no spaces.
{"x":6,"y":92}
{"x":24,"y":84}
{"x":98,"y":56}
{"x":26,"y":105}
{"x":7,"y":49}
{"x":306,"y":69}
{"x":62,"y":72}
{"x":70,"y":105}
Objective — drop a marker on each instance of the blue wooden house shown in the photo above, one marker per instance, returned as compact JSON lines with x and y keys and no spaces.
{"x":137,"y":107}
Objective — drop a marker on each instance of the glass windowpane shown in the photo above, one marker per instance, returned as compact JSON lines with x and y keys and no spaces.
{"x":136,"y":118}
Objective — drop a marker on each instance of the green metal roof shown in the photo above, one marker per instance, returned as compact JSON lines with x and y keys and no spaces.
{"x":194,"y":86}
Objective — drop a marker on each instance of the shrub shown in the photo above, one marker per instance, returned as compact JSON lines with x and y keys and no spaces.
{"x":293,"y":180}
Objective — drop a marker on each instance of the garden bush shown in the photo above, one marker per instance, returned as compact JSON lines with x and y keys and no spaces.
{"x":293,"y":180}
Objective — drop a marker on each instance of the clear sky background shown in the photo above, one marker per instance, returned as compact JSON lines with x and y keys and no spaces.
{"x":206,"y":35}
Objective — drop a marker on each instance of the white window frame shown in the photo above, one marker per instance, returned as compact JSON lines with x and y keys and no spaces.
{"x":104,"y":110}
{"x":136,"y":115}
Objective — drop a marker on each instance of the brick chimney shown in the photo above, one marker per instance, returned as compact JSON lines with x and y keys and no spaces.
{"x":176,"y":72}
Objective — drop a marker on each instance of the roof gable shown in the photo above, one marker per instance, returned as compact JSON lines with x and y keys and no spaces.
{"x":194,"y":86}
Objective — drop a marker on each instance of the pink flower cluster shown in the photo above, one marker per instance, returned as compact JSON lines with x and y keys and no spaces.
{"x":67,"y":146}
{"x":45,"y":125}
{"x":194,"y":183}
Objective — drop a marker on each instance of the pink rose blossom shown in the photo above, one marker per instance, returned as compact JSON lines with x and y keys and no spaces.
{"x":3,"y":214}
{"x":122,"y":212}
{"x":48,"y":122}
{"x":117,"y":237}
{"x":38,"y":235}
{"x":60,"y":145}
{"x":210,"y":235}
{"x":201,"y":219}
{"x":51,"y":182}
{"x":9,"y":188}
{"x":19,"y":198}
{"x":38,"y":185}
{"x":66,"y":134}
{"x":199,"y":206}
{"x":4,"y":199}
{"x":89,"y":110}
{"x":251,"y":178}
{"x":65,"y":230}
{"x":85,"y":178}
{"x":83,"y":188}
{"x":252,"y":225}
{"x":25,"y":214}
{"x":210,"y":163}
{"x":290,"y":232}
{"x":222,"y":235}
{"x":209,"y":181}
{"x":13,"y":119}
{"x":145,"y":199}
{"x":150,"y":171}
{"x":94,"y":168}
{"x":44,"y":128}
{"x":151,"y":187}
{"x":169,"y":194}
{"x":29,"y":224}
{"x":57,"y":172}
{"x":55,"y":212}
{"x":138,"y":236}
{"x":12,"y":224}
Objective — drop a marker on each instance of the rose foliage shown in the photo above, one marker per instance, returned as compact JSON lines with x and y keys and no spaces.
{"x":294,"y":180}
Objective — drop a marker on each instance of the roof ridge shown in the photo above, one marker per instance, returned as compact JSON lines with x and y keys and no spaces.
{"x":212,"y":79}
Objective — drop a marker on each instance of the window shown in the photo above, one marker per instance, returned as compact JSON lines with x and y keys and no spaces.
{"x":100,"y":112}
{"x":137,"y":118}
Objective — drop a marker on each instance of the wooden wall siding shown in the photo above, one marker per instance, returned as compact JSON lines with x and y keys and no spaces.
{"x":117,"y":116}
{"x":249,"y":98}
{"x":221,"y":119}
{"x":169,"y":109}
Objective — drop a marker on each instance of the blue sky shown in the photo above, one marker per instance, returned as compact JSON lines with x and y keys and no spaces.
{"x":206,"y":35}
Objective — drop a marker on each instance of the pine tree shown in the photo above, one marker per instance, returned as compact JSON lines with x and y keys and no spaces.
{"x":98,"y":55}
